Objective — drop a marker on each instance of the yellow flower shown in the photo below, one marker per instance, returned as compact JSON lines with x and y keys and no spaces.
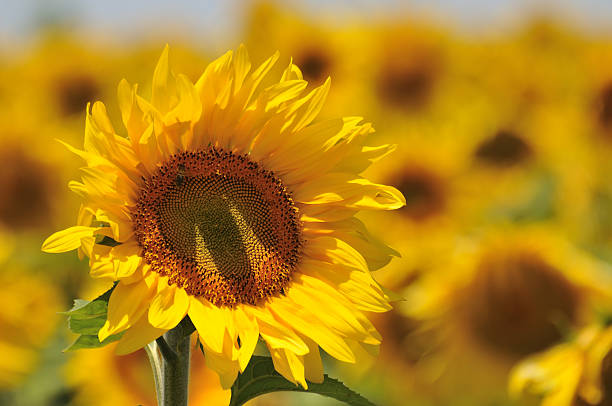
{"x":233,"y":208}
{"x":425,"y":168}
{"x":414,"y":77}
{"x":28,"y":316}
{"x":128,"y":380}
{"x":503,"y":296}
{"x":321,"y":49}
{"x":575,"y":373}
{"x":30,"y":176}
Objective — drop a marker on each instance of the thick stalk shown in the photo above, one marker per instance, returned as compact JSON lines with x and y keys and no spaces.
{"x":175,"y":347}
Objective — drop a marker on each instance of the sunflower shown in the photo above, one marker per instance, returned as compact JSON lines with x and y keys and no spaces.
{"x":231,"y":207}
{"x":62,"y":74}
{"x":320,"y":48}
{"x":504,"y":296}
{"x":30,"y":177}
{"x":28,"y":316}
{"x":425,"y":169}
{"x":574,"y":373}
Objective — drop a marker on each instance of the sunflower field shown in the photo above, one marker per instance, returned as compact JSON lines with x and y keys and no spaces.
{"x":362,"y":206}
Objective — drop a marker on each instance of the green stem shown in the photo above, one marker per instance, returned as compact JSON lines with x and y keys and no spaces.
{"x":175,"y":348}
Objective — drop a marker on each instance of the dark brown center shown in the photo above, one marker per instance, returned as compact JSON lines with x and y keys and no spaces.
{"x":516,"y":303}
{"x":504,"y":149}
{"x":74,"y":92}
{"x":219,"y":226}
{"x":26,"y":187}
{"x":406,"y":85}
{"x":604,"y":107}
{"x":424,"y":192}
{"x":315,"y":65}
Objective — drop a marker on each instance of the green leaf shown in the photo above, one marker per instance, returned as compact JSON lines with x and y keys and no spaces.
{"x":260,"y":378}
{"x":89,"y":326}
{"x":109,"y":242}
{"x":91,"y":341}
{"x":83,"y":309}
{"x":86,"y":318}
{"x":93,"y":309}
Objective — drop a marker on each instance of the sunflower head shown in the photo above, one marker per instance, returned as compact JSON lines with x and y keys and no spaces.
{"x":504,"y":148}
{"x":573,"y":373}
{"x":29,"y":309}
{"x":74,"y":91}
{"x":522,"y":295}
{"x":27,"y":186}
{"x":517,"y":301}
{"x":225,"y":202}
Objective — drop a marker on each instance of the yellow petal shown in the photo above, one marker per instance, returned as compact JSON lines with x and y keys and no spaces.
{"x":68,"y":239}
{"x":126,"y":305}
{"x":209,"y":321}
{"x":276,"y":333}
{"x":347,"y":190}
{"x":313,"y":103}
{"x":313,"y":366}
{"x":307,"y":324}
{"x":360,"y":160}
{"x":226,"y":368}
{"x":357,"y":285}
{"x":168,"y":307}
{"x":249,"y":334}
{"x":242,"y":66}
{"x":139,"y":335}
{"x":126,"y":259}
{"x":292,"y":72}
{"x":133,"y":117}
{"x":332,"y":308}
{"x":376,"y":253}
{"x":335,"y":251}
{"x":163,"y":91}
{"x":289,"y":365}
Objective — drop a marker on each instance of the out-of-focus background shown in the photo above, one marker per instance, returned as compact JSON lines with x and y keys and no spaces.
{"x":502,"y":114}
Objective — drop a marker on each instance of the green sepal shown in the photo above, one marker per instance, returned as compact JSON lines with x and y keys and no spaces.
{"x":109,"y":242}
{"x":89,"y":326}
{"x":86,"y":318}
{"x":91,"y":341}
{"x":260,"y":377}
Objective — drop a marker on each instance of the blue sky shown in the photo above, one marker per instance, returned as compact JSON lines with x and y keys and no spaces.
{"x":133,"y":19}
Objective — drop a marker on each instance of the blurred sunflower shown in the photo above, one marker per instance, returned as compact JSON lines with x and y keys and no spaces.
{"x":230,"y":207}
{"x":596,"y":101}
{"x":574,"y":373}
{"x":425,"y":169}
{"x":62,"y":75}
{"x":518,"y":158}
{"x":30,"y":177}
{"x":321,"y":50}
{"x":413,"y":79}
{"x":28,"y":316}
{"x":412,"y":60}
{"x":128,"y":380}
{"x":509,"y":294}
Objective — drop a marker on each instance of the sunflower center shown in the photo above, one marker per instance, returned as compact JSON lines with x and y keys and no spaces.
{"x":314,"y":65}
{"x":517,"y":304}
{"x":74,"y":92}
{"x":605,"y":107}
{"x":505,"y":148}
{"x":406,"y":85}
{"x":218,"y":226}
{"x":26,"y":189}
{"x":424,"y":194}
